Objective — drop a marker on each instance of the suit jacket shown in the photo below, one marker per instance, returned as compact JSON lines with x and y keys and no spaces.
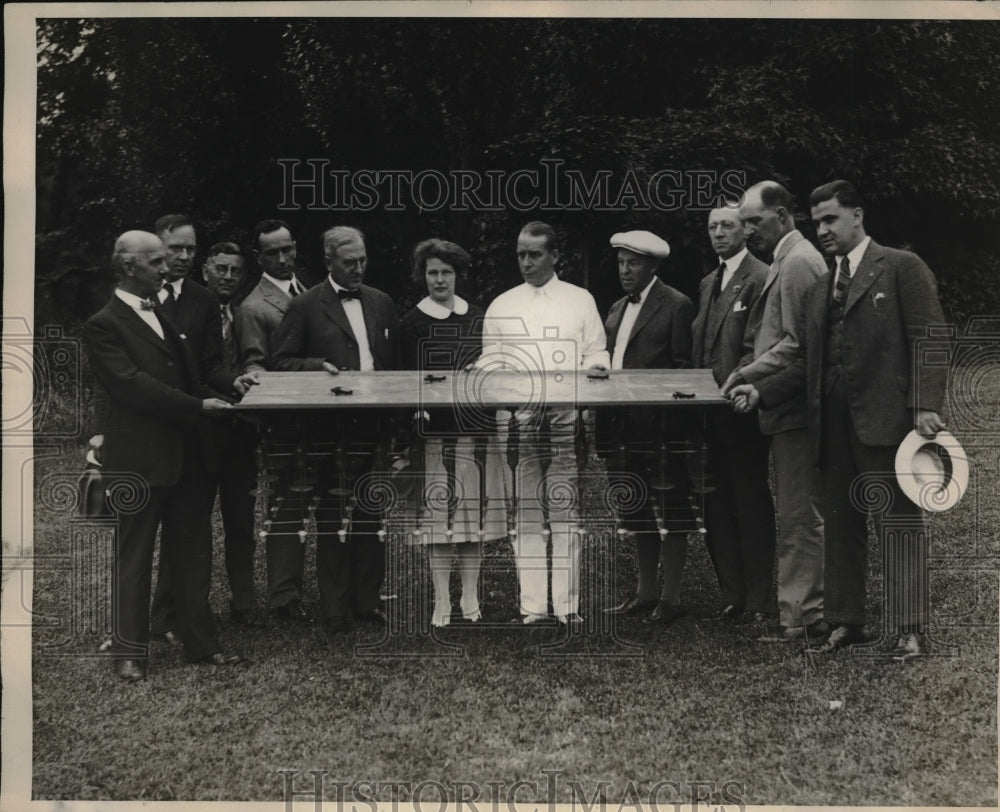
{"x":891,"y":301}
{"x":661,"y":335}
{"x":198,"y":319}
{"x":732,"y":341}
{"x":257,"y":320}
{"x":775,"y":320}
{"x":154,"y":390}
{"x":315,"y":329}
{"x":660,"y":339}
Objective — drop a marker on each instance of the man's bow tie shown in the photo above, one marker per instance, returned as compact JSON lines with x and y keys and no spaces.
{"x":634,"y":298}
{"x":348,"y":294}
{"x":147,"y":304}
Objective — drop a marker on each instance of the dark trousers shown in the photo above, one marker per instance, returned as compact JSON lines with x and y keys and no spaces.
{"x":349,"y":572}
{"x":857,"y":478}
{"x":739,"y":518}
{"x":234,"y":481}
{"x":184,"y":511}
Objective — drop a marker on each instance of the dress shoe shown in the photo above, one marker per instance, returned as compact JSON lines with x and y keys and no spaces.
{"x":631,"y":606}
{"x":244,"y":617}
{"x":794,"y":634}
{"x":842,"y":637}
{"x":292,"y":612}
{"x":168,"y":637}
{"x":338,"y":625}
{"x":908,"y":646}
{"x":376,"y":616}
{"x":131,"y":670}
{"x":572,"y":621}
{"x":734,"y":614}
{"x":664,"y":614}
{"x":219,"y":658}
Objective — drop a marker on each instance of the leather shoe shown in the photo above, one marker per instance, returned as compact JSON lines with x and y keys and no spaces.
{"x":664,"y":614}
{"x":533,"y":620}
{"x":131,"y":670}
{"x":842,"y":637}
{"x":244,"y":617}
{"x":168,"y":637}
{"x":220,"y":658}
{"x":631,"y":606}
{"x":292,"y":612}
{"x":733,"y":614}
{"x":909,"y":645}
{"x":795,"y":634}
{"x":338,"y":625}
{"x":374,"y":616}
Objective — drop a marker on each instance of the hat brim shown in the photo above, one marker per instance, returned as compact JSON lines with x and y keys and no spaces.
{"x":932,"y":496}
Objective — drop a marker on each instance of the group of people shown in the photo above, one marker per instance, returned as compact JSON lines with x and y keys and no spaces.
{"x":817,"y":362}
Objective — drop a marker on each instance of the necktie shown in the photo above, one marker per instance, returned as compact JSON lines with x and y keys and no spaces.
{"x":717,"y":287}
{"x":228,"y":339}
{"x":147,"y":304}
{"x":170,"y":303}
{"x":346,"y":295}
{"x":293,"y":290}
{"x":843,"y":281}
{"x":634,"y":298}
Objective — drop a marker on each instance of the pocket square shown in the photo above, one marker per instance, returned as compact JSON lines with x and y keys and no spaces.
{"x":183,"y":336}
{"x":739,"y":307}
{"x":385,"y":332}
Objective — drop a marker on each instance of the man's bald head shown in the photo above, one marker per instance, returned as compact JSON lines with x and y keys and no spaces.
{"x":139,"y":260}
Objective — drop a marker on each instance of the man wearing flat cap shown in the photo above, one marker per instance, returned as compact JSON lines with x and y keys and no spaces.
{"x":648,"y":328}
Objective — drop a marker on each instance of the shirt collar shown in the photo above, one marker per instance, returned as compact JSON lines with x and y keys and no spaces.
{"x":283,"y":285}
{"x":438,"y":311}
{"x":176,"y":285}
{"x":645,"y":292}
{"x":337,"y":287}
{"x":781,"y":242}
{"x":855,"y":254}
{"x":130,"y":299}
{"x":546,"y":289}
{"x":736,"y":260}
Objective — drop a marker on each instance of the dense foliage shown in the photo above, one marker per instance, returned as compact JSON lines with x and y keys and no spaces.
{"x":138,"y":117}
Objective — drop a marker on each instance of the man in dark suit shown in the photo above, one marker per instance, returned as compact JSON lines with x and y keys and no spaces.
{"x":156,"y":431}
{"x":342,"y":324}
{"x":194,"y":311}
{"x":223,"y":271}
{"x":260,"y":313}
{"x":257,"y":321}
{"x":767,"y":214}
{"x":648,"y":328}
{"x":739,"y":513}
{"x":867,"y":388}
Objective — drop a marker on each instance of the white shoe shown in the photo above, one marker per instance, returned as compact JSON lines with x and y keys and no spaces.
{"x":441,"y":619}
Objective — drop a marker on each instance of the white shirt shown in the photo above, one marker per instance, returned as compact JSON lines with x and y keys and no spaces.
{"x":284,"y":285}
{"x":135,"y":302}
{"x":356,"y":317}
{"x":854,"y":255}
{"x":161,"y":294}
{"x":731,"y":265}
{"x":628,"y":322}
{"x":552,"y":327}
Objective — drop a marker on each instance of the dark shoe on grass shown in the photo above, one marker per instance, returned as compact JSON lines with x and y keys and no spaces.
{"x":219,"y":658}
{"x":842,"y":637}
{"x":375,"y":616}
{"x":664,"y":614}
{"x":292,"y":612}
{"x":245,"y":617}
{"x":631,"y":606}
{"x":338,"y":625}
{"x":814,"y":632}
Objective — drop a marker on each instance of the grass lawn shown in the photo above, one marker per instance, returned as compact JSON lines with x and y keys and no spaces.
{"x":614,"y":712}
